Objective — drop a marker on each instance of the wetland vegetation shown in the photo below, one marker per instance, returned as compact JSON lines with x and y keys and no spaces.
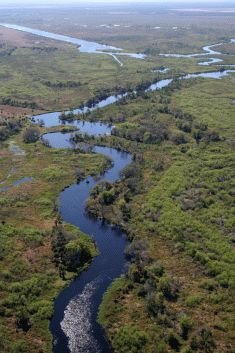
{"x":174,"y":201}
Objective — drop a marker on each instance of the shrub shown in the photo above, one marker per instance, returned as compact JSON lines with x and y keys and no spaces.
{"x":22,"y":320}
{"x":179,"y":139}
{"x":42,"y":309}
{"x":107,"y":197}
{"x":76,"y":254}
{"x":31,"y":135}
{"x":173,"y":339}
{"x":155,"y":304}
{"x":169,"y":287}
{"x":130,"y":171}
{"x":193,"y":300}
{"x":203,"y":341}
{"x":130,"y":340}
{"x":186,"y":326}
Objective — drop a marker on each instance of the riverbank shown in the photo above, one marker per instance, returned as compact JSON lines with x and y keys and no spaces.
{"x":28,"y":213}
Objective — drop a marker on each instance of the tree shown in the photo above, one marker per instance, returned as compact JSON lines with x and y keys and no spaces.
{"x":58,"y":244}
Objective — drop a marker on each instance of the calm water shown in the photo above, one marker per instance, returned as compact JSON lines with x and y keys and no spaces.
{"x":74,"y":325}
{"x":97,"y":48}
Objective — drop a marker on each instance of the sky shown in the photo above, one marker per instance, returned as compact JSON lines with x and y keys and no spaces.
{"x":34,"y":2}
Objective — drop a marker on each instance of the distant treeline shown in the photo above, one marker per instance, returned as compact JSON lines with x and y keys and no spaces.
{"x":61,"y":84}
{"x":15,"y":103}
{"x":44,"y":49}
{"x":6,"y":51}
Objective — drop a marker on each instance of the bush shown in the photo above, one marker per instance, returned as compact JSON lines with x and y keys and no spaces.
{"x":76,"y":254}
{"x":22,"y":320}
{"x":31,"y":135}
{"x":9,"y":127}
{"x":42,"y":309}
{"x":107,"y":197}
{"x":186,"y":326}
{"x":179,"y":139}
{"x":203,"y":341}
{"x":173,"y":339}
{"x":169,"y":287}
{"x":130,"y":340}
{"x":154,"y":304}
{"x":193,"y":300}
{"x":130,"y":171}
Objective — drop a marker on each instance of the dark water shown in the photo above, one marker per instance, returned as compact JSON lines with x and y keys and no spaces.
{"x":74,"y":325}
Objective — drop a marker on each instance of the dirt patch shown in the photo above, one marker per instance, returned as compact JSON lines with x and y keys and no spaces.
{"x":15,"y":38}
{"x":20,"y":39}
{"x":7,"y":111}
{"x":32,"y":255}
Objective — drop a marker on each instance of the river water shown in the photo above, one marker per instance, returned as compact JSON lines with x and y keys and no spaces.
{"x":74,"y":325}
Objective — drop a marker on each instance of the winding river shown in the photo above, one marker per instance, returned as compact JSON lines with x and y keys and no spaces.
{"x":97,"y":48}
{"x":84,"y":45}
{"x":74,"y":326}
